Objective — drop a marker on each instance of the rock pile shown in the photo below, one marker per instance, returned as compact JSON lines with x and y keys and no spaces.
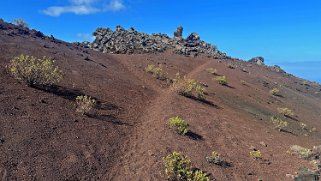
{"x":130,"y":41}
{"x":257,"y":60}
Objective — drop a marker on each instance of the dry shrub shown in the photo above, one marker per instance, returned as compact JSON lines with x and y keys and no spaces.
{"x":178,"y":168}
{"x":279,"y":123}
{"x":156,"y":71}
{"x":188,"y":87}
{"x":35,"y":71}
{"x":85,"y":104}
{"x":286,"y":112}
{"x":179,"y":125}
{"x":221,"y":80}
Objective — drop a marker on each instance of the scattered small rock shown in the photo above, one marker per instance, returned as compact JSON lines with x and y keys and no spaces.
{"x":245,"y":70}
{"x":263,"y":144}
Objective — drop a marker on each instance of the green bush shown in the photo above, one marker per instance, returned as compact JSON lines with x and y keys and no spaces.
{"x":275,"y":91}
{"x":150,"y":68}
{"x":221,"y":80}
{"x":279,"y":123}
{"x":157,"y":72}
{"x":302,"y":152}
{"x":35,"y":71}
{"x":286,"y":112}
{"x":85,"y":104}
{"x":215,"y":158}
{"x":306,"y":83}
{"x":199,"y":175}
{"x":212,"y":71}
{"x":188,"y":87}
{"x":256,"y":154}
{"x":179,"y":124}
{"x":178,"y":168}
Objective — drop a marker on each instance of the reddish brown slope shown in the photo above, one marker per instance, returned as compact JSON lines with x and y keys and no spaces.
{"x":43,"y":138}
{"x":242,"y":120}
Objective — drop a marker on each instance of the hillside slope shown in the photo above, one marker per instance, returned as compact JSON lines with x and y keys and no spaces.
{"x":43,"y":138}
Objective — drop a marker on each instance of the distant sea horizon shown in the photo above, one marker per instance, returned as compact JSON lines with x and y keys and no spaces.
{"x":309,"y":70}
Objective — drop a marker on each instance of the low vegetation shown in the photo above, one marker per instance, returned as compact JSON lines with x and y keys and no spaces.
{"x":221,"y":80}
{"x":178,"y":167}
{"x":188,"y":87}
{"x":156,"y":71}
{"x":306,"y":174}
{"x":215,"y":158}
{"x":20,"y":22}
{"x":306,"y":83}
{"x":279,"y":123}
{"x":179,"y":125}
{"x":199,"y":175}
{"x":35,"y":71}
{"x":212,"y":71}
{"x":308,"y":154}
{"x":256,"y":154}
{"x":85,"y":104}
{"x":244,"y":83}
{"x":275,"y":91}
{"x":286,"y":112}
{"x":300,"y":151}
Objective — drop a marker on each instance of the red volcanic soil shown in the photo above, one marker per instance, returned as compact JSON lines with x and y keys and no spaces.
{"x":42,"y":137}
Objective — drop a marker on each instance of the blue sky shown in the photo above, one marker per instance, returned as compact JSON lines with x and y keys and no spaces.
{"x":285,"y":32}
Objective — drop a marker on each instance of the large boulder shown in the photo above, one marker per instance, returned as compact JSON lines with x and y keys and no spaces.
{"x":257,"y":60}
{"x":179,"y":32}
{"x":193,"y":37}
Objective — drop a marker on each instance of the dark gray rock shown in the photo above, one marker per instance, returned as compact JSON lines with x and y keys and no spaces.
{"x":179,"y":32}
{"x":193,"y":37}
{"x":257,"y":60}
{"x":278,"y":69}
{"x":130,"y":41}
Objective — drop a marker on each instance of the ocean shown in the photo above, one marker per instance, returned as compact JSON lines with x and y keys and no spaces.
{"x":307,"y":70}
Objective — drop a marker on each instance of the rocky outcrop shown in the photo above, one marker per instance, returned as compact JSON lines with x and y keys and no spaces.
{"x":257,"y":60}
{"x":130,"y":41}
{"x":179,"y":33}
{"x":278,"y":69}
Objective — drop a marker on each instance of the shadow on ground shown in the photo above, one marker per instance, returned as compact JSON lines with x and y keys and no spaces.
{"x":60,"y":91}
{"x":194,"y":136}
{"x":201,"y":100}
{"x":108,"y":118}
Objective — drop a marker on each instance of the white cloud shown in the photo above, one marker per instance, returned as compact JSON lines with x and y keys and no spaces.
{"x":83,"y":7}
{"x":79,"y":10}
{"x":115,"y":5}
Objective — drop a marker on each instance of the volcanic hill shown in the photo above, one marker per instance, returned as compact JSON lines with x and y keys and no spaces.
{"x":42,"y":137}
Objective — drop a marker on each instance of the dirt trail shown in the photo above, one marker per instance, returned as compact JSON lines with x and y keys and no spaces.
{"x":139,"y":152}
